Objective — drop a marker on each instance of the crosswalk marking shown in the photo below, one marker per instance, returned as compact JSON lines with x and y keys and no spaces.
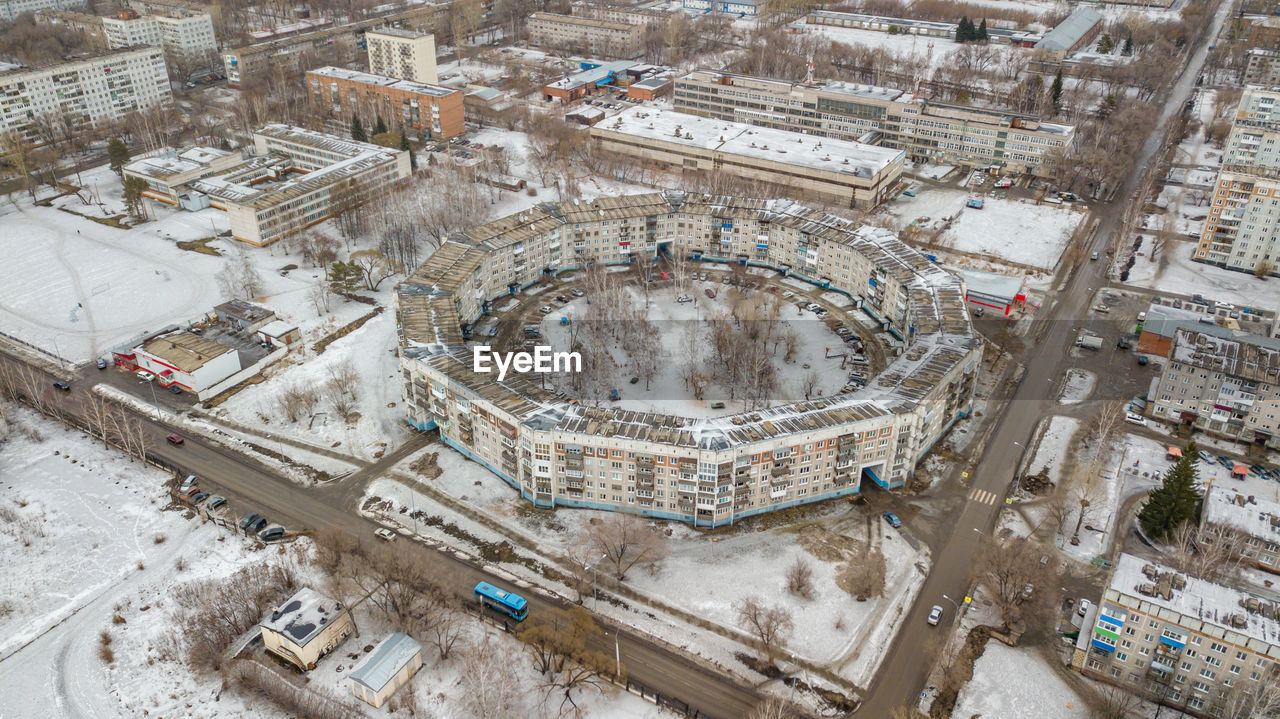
{"x":982,"y":496}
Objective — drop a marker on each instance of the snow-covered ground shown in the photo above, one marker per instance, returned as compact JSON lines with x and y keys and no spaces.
{"x":667,"y":392}
{"x":1008,"y":229}
{"x":1053,"y":446}
{"x":935,"y":51}
{"x":1013,"y":683}
{"x":1077,"y":385}
{"x":1175,"y":273}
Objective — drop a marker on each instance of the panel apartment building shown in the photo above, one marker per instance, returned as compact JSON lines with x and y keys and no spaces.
{"x":433,"y":111}
{"x":94,"y":90}
{"x":841,"y":172}
{"x":1221,"y":381}
{"x":1255,"y":519}
{"x":403,"y":54}
{"x":188,"y":35}
{"x":590,"y":36}
{"x":10,"y":9}
{"x":927,"y":131}
{"x":1180,"y":641}
{"x":1242,"y":231}
{"x":709,"y":471}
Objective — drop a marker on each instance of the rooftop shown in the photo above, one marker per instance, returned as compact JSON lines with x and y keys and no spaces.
{"x":419,"y":88}
{"x":185,"y":351}
{"x":303,"y":616}
{"x":243,"y":310}
{"x":168,"y":164}
{"x":1232,"y":352}
{"x":1070,"y":31}
{"x":594,"y":75}
{"x":992,"y":284}
{"x":1254,"y":516}
{"x":738,"y":138}
{"x":408,"y":33}
{"x":584,"y":21}
{"x":1195,"y":598}
{"x":385,"y":661}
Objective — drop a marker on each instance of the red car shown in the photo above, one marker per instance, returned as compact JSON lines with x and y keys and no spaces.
{"x":175,"y":439}
{"x":710,"y":293}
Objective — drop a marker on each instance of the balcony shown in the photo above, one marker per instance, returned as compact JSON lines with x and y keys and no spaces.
{"x":575,"y":473}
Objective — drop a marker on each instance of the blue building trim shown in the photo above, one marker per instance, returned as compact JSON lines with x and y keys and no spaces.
{"x":421,"y":426}
{"x":469,"y":455}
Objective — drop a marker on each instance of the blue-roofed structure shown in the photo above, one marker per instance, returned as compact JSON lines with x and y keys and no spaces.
{"x":388,"y":667}
{"x":1075,"y":32}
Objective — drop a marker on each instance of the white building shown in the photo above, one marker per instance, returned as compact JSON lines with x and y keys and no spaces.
{"x":188,"y":361}
{"x":1257,"y":519}
{"x":403,"y":54}
{"x":166,"y":172}
{"x":10,"y":9}
{"x":189,"y":35}
{"x":96,"y":89}
{"x":388,"y":667}
{"x":1180,"y":641}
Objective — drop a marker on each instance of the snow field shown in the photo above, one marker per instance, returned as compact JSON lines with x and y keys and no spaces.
{"x":1175,"y":273}
{"x":1017,"y":684}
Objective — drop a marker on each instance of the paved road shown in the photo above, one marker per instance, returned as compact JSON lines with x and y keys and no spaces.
{"x":251,"y":486}
{"x":902,"y":675}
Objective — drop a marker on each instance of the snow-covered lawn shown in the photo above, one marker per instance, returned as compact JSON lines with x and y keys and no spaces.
{"x":1175,"y":273}
{"x":1011,"y":230}
{"x":1013,"y":683}
{"x":1053,"y":446}
{"x":1077,"y":385}
{"x":667,"y":392}
{"x":935,"y":51}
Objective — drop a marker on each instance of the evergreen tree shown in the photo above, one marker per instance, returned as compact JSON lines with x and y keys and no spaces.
{"x":133,"y":189}
{"x":982,"y":32}
{"x":357,"y":130}
{"x":964,"y":30}
{"x":404,"y":145}
{"x":379,"y":127}
{"x":1127,"y":49}
{"x":117,"y":155}
{"x":345,"y":277}
{"x":1106,"y":44}
{"x":1055,"y":92}
{"x":1175,"y":501}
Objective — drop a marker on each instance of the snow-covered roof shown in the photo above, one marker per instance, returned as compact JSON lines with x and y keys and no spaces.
{"x":1071,"y":30}
{"x":1250,"y":514}
{"x":1232,"y":352}
{"x":303,"y":616}
{"x":393,"y":83}
{"x":992,"y":284}
{"x":594,"y":75}
{"x":1195,"y":599}
{"x":278,"y":328}
{"x":185,"y":351}
{"x":385,"y":661}
{"x":176,"y":162}
{"x":738,"y":138}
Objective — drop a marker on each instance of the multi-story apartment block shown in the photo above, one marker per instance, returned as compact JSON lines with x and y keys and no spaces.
{"x":925,"y":130}
{"x":842,"y":172}
{"x":251,"y":63}
{"x":1263,"y":68}
{"x":587,"y":35}
{"x":630,"y":16}
{"x":709,"y":471}
{"x":403,"y":54}
{"x":1255,"y":519}
{"x":89,"y":26}
{"x":433,"y":111}
{"x":1241,"y":230}
{"x":91,"y":90}
{"x":1221,"y":381}
{"x":189,"y":35}
{"x":1264,"y":33}
{"x":10,"y":9}
{"x":1180,"y":641}
{"x":741,"y":8}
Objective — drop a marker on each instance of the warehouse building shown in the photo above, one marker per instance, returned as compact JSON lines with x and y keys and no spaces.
{"x":1077,"y":31}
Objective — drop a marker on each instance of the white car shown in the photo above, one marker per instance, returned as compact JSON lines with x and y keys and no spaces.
{"x":935,"y":615}
{"x":1134,"y":418}
{"x":385,"y":534}
{"x":788,"y":295}
{"x":684,"y":298}
{"x":545,"y":309}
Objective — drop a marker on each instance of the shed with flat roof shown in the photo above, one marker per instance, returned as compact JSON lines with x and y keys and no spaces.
{"x":388,"y":667}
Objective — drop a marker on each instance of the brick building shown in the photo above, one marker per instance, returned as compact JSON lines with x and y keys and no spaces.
{"x":430,"y":110}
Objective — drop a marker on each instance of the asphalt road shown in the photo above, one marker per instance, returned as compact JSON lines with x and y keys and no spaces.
{"x":905,"y":669}
{"x":251,"y":486}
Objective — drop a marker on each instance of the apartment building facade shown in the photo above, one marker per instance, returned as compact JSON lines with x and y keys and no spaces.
{"x":433,"y":111}
{"x":927,"y":131}
{"x":587,"y":35}
{"x":1221,"y":381}
{"x":1180,"y":641}
{"x":1254,"y":519}
{"x":187,"y":34}
{"x":1240,"y":232}
{"x":1263,"y":68}
{"x":705,"y":471}
{"x":849,"y":174}
{"x":403,"y":54}
{"x":91,"y":90}
{"x":10,"y":9}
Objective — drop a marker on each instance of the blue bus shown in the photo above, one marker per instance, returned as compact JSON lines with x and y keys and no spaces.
{"x":500,"y":600}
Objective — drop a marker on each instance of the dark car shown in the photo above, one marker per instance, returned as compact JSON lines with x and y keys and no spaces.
{"x":64,"y":386}
{"x":102,"y":364}
{"x":175,"y":389}
{"x":272,"y":534}
{"x":256,"y":525}
{"x":563,"y":300}
{"x":1226,"y":461}
{"x":199,"y":497}
{"x":1142,"y":360}
{"x":248,"y":519}
{"x":892,"y":519}
{"x":174,"y":439}
{"x":216,"y":502}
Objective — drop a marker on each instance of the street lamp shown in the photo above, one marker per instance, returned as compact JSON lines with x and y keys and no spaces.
{"x":593,"y":580}
{"x":152,"y":384}
{"x":954,"y":603}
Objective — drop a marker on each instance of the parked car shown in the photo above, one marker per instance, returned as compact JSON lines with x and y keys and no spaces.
{"x":174,"y":439}
{"x":102,"y":364}
{"x":187,"y":483}
{"x":1226,"y":461}
{"x":577,"y":292}
{"x":272,"y":534}
{"x":1084,"y":607}
{"x":684,"y":298}
{"x":248,"y":519}
{"x":215,"y":502}
{"x":710,"y":293}
{"x":256,"y":525}
{"x":1027,"y":591}
{"x":1206,"y":456}
{"x":1143,"y":361}
{"x":1133,"y":418}
{"x":143,"y":375}
{"x":63,"y":386}
{"x":175,"y":389}
{"x":563,"y":299}
{"x":199,"y":497}
{"x":935,"y":615}
{"x":385,"y":535}
{"x":545,"y":309}
{"x":892,"y":519}
{"x":1094,"y":256}
{"x":788,"y":295}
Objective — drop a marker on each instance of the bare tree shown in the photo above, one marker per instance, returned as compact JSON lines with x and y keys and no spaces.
{"x":626,"y":540}
{"x":775,"y":708}
{"x":491,"y":689}
{"x":239,"y":279}
{"x":769,"y":626}
{"x":374,"y":266}
{"x":800,"y":578}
